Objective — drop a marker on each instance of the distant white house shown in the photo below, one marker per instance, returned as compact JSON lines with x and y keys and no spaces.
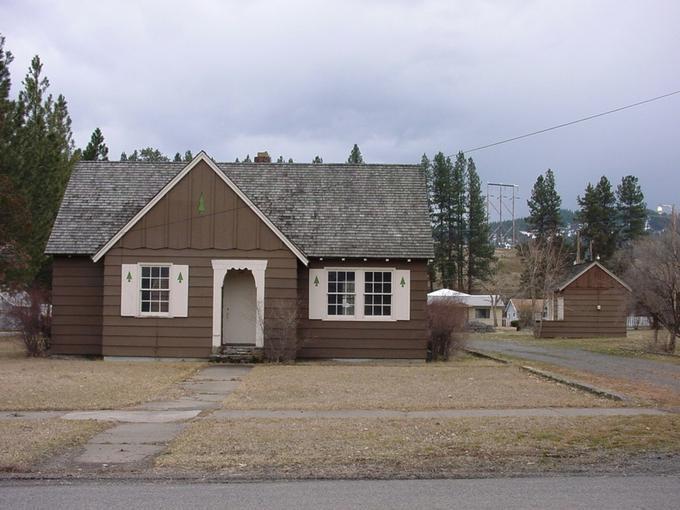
{"x":516,"y":308}
{"x":481,"y":307}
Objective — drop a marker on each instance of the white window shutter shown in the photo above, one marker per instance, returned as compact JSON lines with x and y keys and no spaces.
{"x":179,"y":290}
{"x":129,"y":290}
{"x":317,"y":293}
{"x":560,"y":308}
{"x":402,"y":294}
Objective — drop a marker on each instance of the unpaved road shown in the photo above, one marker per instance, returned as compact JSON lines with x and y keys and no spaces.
{"x":607,"y":492}
{"x":656,"y":373}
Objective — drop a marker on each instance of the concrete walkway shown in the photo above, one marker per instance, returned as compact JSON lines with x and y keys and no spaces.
{"x":148,"y":428}
{"x":442,"y":413}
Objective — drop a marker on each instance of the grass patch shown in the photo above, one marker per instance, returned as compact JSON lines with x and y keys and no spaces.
{"x":30,"y":384}
{"x":26,"y":443}
{"x":303,"y":448}
{"x":473,"y":384}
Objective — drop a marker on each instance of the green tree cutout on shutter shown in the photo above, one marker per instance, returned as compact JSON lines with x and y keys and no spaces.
{"x":402,"y":282}
{"x":316,"y":281}
{"x":180,"y":278}
{"x":201,"y":204}
{"x":129,"y":277}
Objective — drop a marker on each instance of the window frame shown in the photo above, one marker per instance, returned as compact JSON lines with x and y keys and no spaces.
{"x":336,"y":293}
{"x":140,"y":266}
{"x":382,"y":295}
{"x":483,"y":311}
{"x":359,"y":295}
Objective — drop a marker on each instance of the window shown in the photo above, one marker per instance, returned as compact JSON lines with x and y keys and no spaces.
{"x":378,"y":293}
{"x":482,"y":313}
{"x":341,"y":293}
{"x":155,"y":289}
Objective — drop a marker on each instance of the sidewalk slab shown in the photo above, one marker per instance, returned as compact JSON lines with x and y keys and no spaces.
{"x":117,"y":453}
{"x":441,"y":413}
{"x":221,"y":373}
{"x":133,"y":416}
{"x":208,"y":386}
{"x":183,"y":404}
{"x":139,"y":433}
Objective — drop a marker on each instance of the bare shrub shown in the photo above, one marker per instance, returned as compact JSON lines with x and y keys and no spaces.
{"x":281,"y":340}
{"x":446,"y":320}
{"x":33,"y":314}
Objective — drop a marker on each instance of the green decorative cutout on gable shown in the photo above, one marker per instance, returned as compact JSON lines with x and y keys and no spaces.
{"x":316,"y":281}
{"x":180,"y":278}
{"x":201,"y":204}
{"x":402,"y":282}
{"x":129,"y":277}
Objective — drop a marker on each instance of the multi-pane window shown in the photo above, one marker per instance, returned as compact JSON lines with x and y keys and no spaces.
{"x":482,"y":313}
{"x":341,"y":293}
{"x":155,"y":289}
{"x":378,"y":293}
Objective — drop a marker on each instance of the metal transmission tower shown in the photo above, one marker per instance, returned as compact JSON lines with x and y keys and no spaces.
{"x":500,"y":197}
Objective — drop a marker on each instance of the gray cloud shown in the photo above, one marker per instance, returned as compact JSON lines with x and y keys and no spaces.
{"x":398,"y":78}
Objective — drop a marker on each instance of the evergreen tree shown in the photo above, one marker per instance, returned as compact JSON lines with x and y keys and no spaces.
{"x":544,"y":207}
{"x":46,"y":157}
{"x":177,"y":158}
{"x":317,"y":160}
{"x":188,"y":156}
{"x":236,"y":160}
{"x":247,"y":159}
{"x":426,"y":167}
{"x":355,"y":157}
{"x":480,"y":251}
{"x":444,"y":260}
{"x":96,"y":149}
{"x":598,"y":215}
{"x":280,"y":160}
{"x":134,"y":156}
{"x":149,"y":154}
{"x":290,"y":161}
{"x":7,"y":111}
{"x":123,"y":156}
{"x":632,"y":209}
{"x":457,"y":216}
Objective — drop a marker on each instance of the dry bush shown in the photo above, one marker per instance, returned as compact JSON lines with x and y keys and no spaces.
{"x":281,"y":340}
{"x":446,"y":321}
{"x":33,"y":315}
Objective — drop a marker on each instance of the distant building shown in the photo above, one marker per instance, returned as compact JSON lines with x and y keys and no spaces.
{"x":481,"y":307}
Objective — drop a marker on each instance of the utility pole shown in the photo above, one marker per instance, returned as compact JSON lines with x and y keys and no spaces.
{"x":502,"y":192}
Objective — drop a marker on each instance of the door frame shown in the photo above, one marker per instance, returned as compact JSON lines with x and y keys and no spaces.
{"x":220,"y":268}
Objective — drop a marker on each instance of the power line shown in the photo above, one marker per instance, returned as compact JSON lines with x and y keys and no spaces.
{"x":558,"y":126}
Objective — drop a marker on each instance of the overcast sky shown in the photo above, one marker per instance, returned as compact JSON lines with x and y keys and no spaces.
{"x":397,"y":77}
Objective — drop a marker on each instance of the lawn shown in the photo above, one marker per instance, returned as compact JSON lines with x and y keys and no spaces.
{"x":25,"y":443}
{"x":63,"y":384}
{"x":453,"y":385}
{"x":383,"y":448}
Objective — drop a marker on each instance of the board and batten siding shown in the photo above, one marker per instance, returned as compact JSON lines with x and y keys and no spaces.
{"x":581,"y":316}
{"x":77,"y":300}
{"x":366,"y":339}
{"x":175,"y":231}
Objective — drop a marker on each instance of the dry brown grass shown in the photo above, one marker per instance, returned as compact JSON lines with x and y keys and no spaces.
{"x":11,"y":347}
{"x":434,"y":386}
{"x":302,"y":448}
{"x":26,"y":443}
{"x":57,"y":384}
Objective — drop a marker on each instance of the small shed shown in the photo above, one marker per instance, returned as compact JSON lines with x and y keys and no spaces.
{"x":590,"y":302}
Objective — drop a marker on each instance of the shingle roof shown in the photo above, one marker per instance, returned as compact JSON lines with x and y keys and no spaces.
{"x":326,"y":210}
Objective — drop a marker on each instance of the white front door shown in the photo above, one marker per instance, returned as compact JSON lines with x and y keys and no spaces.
{"x":239,"y":308}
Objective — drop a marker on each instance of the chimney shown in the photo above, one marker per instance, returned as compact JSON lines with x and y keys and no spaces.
{"x":263,"y":157}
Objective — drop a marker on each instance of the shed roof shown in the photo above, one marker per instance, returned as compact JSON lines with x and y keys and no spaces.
{"x":326,"y":210}
{"x":578,"y":269}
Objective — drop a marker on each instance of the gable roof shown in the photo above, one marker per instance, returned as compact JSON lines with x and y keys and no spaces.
{"x":466,"y":299}
{"x":579,"y":269}
{"x":525,"y":304}
{"x":324,"y":210}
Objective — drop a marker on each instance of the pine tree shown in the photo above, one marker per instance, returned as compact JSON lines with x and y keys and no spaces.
{"x":480,"y":251}
{"x":457,"y":216}
{"x":280,"y":160}
{"x":247,"y":159}
{"x":7,"y":110}
{"x":290,"y":161}
{"x":426,"y":167}
{"x":632,"y":209}
{"x":544,"y":207}
{"x":317,"y":160}
{"x":355,"y":157}
{"x":177,"y":158}
{"x":188,"y":156}
{"x":444,"y":260}
{"x":123,"y":156}
{"x":96,"y":149}
{"x":598,"y":215}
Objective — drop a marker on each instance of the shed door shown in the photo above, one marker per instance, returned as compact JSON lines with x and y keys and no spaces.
{"x":239,"y":306}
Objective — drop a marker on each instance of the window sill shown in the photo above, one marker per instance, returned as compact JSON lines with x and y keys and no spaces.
{"x":351,"y":318}
{"x":152,"y":315}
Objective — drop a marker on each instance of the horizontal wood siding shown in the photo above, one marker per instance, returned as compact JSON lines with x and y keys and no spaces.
{"x":365,"y":339}
{"x":175,"y":231}
{"x":77,"y":298}
{"x":582,"y":319}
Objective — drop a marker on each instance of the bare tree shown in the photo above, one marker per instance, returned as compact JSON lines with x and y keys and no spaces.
{"x":654,"y":275}
{"x":281,"y":321}
{"x":499,"y":285}
{"x":446,"y":319}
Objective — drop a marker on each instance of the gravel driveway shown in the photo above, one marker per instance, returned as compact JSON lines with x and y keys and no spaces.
{"x":657,"y":373}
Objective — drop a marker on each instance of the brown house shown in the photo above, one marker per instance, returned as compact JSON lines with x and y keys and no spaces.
{"x":188,"y":260}
{"x":590,"y":302}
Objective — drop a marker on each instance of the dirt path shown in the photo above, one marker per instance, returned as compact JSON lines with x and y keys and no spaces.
{"x":656,"y":373}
